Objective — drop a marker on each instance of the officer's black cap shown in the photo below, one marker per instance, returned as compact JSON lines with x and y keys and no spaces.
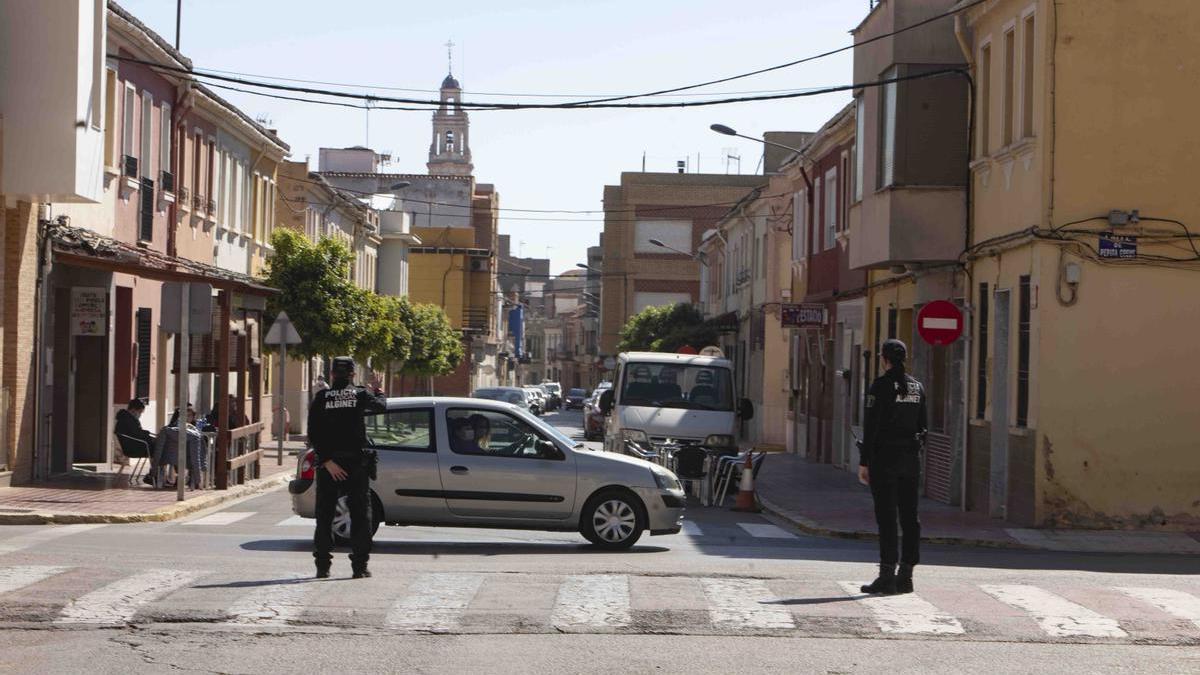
{"x":343,"y":364}
{"x":894,"y":350}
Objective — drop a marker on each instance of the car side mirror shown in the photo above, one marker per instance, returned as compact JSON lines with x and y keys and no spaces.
{"x":606,"y":402}
{"x":548,"y":450}
{"x":745,"y":409}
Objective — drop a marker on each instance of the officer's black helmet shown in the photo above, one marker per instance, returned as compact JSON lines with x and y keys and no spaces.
{"x":342,"y":365}
{"x":894,"y":350}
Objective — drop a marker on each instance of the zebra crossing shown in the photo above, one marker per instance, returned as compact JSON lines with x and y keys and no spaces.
{"x":455,"y":602}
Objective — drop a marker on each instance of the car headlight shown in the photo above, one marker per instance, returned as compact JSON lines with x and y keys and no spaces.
{"x":636,"y":435}
{"x":665,"y":479}
{"x":720,"y":441}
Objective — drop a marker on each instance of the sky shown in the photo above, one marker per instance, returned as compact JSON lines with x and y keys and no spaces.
{"x":536,"y":159}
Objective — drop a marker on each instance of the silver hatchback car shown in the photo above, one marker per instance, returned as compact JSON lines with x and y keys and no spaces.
{"x":466,"y":462}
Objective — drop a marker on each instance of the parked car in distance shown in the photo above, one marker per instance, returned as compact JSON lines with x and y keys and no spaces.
{"x":539,"y":406}
{"x":553,"y":394}
{"x":593,"y":418}
{"x":514,"y":395}
{"x":574,"y":399}
{"x":471,"y":462}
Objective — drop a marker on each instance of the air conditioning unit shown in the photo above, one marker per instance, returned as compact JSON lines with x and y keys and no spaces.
{"x":479,"y":264}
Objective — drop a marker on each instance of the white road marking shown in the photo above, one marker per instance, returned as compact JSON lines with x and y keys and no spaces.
{"x":273,"y":604}
{"x":1056,"y":615}
{"x":1176,"y":603}
{"x":50,"y":533}
{"x":742,"y":603}
{"x":766,"y":531}
{"x":906,"y":613}
{"x":13,"y":578}
{"x":118,"y":602}
{"x":221,"y":518}
{"x":435,"y":602}
{"x":691,"y":529}
{"x":593,"y":601}
{"x":296,"y":521}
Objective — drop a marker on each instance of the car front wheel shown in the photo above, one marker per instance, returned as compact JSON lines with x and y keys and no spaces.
{"x":341,"y":519}
{"x":612,"y":520}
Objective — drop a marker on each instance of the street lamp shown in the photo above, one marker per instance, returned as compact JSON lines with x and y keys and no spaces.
{"x":698,"y":256}
{"x":730,"y":131}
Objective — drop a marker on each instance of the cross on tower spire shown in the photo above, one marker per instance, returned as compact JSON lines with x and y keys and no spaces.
{"x":450,"y":56}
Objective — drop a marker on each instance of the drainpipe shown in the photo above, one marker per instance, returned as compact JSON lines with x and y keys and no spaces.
{"x":964,"y":37}
{"x":39,"y":331}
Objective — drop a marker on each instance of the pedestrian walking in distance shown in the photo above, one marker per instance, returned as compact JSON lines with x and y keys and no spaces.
{"x":894,"y":428}
{"x":338,"y":435}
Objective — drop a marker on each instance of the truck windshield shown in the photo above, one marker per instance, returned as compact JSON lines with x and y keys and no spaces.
{"x":668,"y":385}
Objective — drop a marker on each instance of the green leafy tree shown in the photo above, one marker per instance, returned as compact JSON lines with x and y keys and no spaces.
{"x":437,"y":348}
{"x":666,"y":328}
{"x":315,"y":291}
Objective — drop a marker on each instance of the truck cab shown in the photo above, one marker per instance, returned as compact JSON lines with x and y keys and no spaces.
{"x":661,"y":399}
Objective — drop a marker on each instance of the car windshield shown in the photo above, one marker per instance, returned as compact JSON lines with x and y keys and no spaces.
{"x":669,"y":385}
{"x":577,"y":392}
{"x":505,"y":395}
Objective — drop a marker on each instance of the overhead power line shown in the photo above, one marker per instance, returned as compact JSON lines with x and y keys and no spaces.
{"x":372,"y":101}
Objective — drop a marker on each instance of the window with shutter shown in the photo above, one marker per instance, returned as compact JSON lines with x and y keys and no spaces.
{"x":146,"y":211}
{"x":144,"y":342}
{"x":860,"y":138}
{"x":147,"y":134}
{"x":887,"y":128}
{"x":831,"y":208}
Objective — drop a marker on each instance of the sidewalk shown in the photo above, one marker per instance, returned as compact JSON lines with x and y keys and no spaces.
{"x":108,"y":498}
{"x":822,"y":499}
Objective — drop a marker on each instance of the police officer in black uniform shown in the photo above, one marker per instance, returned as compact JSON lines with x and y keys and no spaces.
{"x":338,"y":435}
{"x":894,"y":428}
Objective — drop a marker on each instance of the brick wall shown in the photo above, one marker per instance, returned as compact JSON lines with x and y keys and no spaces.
{"x":20,"y":277}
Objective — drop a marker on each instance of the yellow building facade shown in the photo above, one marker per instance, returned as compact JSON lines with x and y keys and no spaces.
{"x":1084,"y":326}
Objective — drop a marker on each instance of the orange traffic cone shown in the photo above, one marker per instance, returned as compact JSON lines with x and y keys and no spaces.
{"x":746,"y":500}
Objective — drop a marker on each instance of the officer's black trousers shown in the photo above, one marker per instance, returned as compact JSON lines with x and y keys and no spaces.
{"x":895,"y":481}
{"x":356,"y":487}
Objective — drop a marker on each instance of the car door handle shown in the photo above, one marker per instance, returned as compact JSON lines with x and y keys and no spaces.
{"x":459,"y":469}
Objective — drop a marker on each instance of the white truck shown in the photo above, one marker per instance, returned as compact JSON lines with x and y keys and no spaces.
{"x":661,"y":399}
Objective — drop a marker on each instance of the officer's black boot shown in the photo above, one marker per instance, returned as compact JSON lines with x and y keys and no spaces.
{"x":362,"y":572}
{"x":885,"y":584}
{"x":904,"y":579}
{"x":322,"y":571}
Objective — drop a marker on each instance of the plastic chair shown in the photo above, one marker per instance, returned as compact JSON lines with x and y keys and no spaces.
{"x":689,"y":464}
{"x":737,"y":468}
{"x":134,"y":448}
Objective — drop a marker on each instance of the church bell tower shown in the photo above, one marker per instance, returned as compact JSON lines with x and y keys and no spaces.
{"x":450,"y":152}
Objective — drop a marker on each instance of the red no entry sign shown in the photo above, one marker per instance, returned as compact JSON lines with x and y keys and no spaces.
{"x":940,"y":322}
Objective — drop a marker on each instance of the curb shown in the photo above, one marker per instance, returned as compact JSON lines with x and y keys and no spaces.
{"x":809,"y":526}
{"x":177,"y":510}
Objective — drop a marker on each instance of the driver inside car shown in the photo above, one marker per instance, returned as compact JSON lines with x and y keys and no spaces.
{"x":481,"y":434}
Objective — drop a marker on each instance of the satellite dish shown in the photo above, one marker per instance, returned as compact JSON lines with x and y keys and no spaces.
{"x":713,"y":351}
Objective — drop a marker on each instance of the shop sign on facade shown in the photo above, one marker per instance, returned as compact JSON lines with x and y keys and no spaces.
{"x":89,"y":311}
{"x":804,"y":315}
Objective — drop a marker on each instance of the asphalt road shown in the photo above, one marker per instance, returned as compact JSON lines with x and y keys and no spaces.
{"x":230,"y":591}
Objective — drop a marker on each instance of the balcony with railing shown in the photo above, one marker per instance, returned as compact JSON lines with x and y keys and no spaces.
{"x":475,"y":319}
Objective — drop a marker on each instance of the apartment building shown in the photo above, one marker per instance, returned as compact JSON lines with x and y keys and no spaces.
{"x":1081,"y":263}
{"x":827,"y":374}
{"x":674,"y":209}
{"x":109,"y":209}
{"x":907,"y":212}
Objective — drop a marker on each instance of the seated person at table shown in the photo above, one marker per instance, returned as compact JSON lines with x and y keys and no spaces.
{"x":235,"y":414}
{"x":129,"y":424}
{"x":165,"y":446}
